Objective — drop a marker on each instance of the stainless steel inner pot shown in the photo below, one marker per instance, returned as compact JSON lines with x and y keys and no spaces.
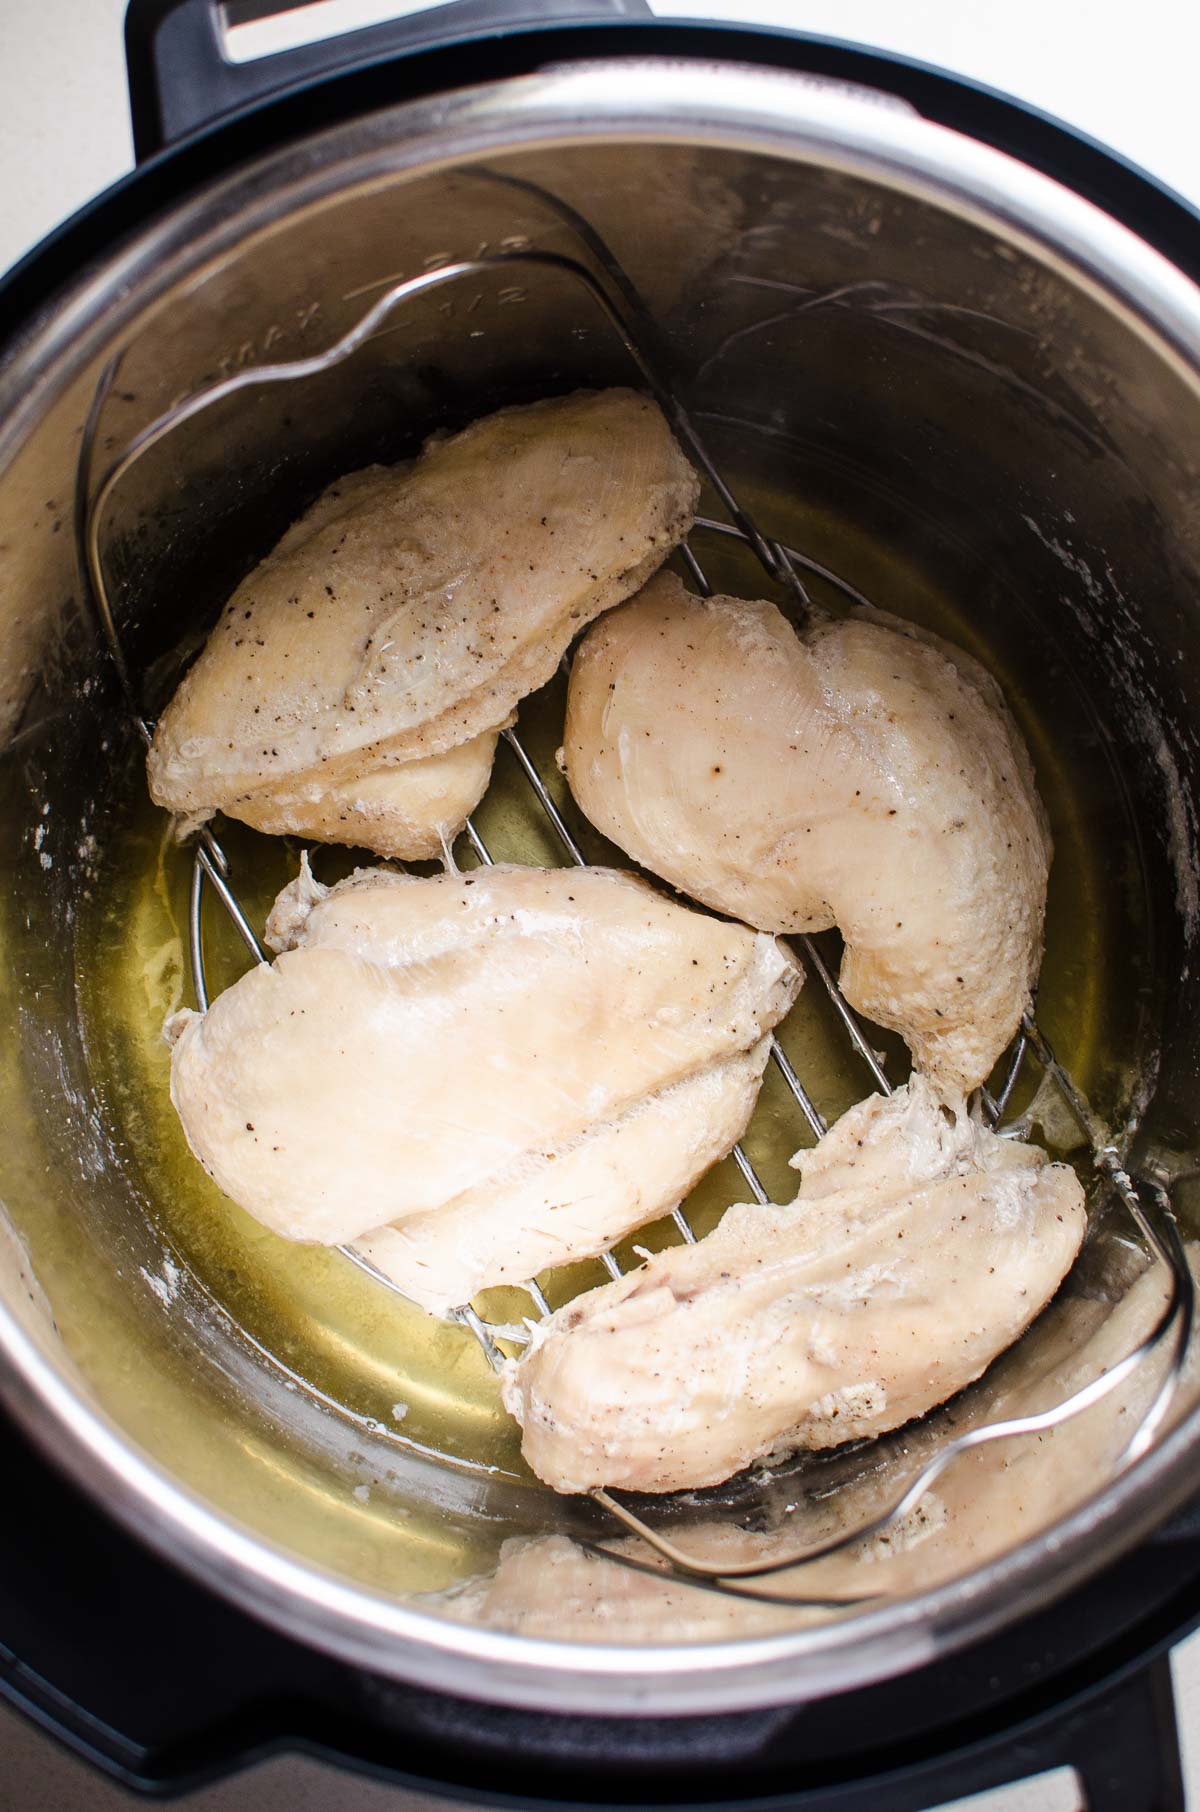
{"x":941,"y":374}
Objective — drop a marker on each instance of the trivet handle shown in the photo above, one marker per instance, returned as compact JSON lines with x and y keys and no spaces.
{"x":181,"y":78}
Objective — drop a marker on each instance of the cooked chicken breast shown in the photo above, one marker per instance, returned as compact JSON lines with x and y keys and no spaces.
{"x":860,"y":774}
{"x":551,"y":1207}
{"x":400,"y":621}
{"x":485,"y":1055}
{"x":919,"y":1247}
{"x":990,"y":1500}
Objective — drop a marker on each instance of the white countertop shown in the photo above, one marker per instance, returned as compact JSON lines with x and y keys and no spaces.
{"x":1126,"y":74}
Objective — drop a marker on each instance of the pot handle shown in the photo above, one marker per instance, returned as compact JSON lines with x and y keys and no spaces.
{"x":181,"y":78}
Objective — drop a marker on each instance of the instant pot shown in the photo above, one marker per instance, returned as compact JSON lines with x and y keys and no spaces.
{"x":948,"y":352}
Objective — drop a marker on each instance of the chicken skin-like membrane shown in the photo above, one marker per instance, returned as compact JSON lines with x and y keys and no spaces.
{"x":919,"y":1247}
{"x":354,"y":685}
{"x":478,"y":1063}
{"x":859,"y":774}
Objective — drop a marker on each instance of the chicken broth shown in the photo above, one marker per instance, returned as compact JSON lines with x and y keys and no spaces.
{"x":343,"y":1336}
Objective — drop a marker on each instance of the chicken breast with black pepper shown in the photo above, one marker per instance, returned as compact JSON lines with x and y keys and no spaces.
{"x":859,"y":774}
{"x":919,"y":1247}
{"x":354,"y":686}
{"x":993,"y":1497}
{"x":478,"y":1075}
